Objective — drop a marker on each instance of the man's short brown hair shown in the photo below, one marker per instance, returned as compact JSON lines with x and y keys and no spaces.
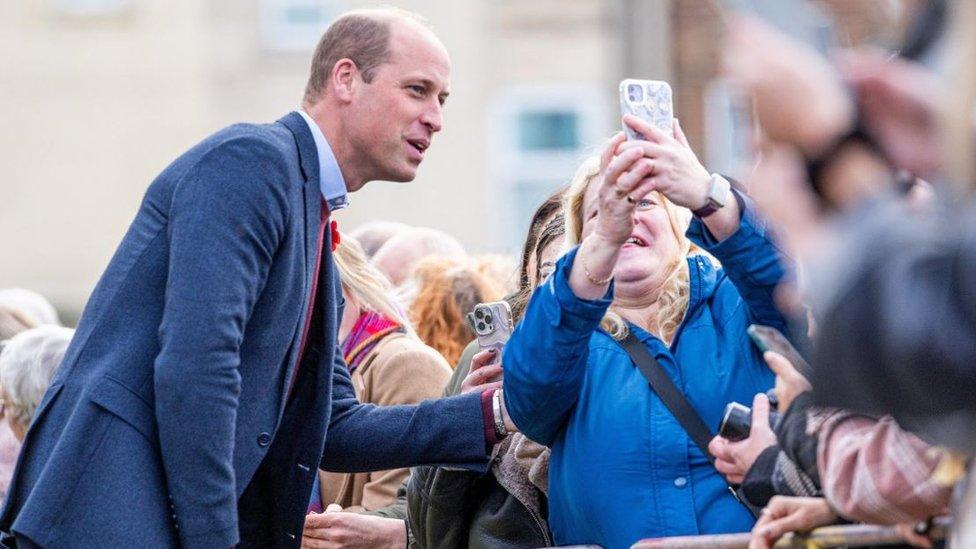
{"x":362,"y":36}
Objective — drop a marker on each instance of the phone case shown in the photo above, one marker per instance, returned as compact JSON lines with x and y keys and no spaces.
{"x":648,"y":100}
{"x":492,"y":324}
{"x":768,"y":338}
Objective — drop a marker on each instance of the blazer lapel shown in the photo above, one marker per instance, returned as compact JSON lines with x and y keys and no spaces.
{"x":309,"y":161}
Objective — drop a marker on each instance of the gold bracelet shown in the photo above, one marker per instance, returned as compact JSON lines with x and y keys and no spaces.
{"x":586,"y":271}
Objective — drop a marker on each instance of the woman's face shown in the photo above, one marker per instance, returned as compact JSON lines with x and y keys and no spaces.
{"x":547,"y":257}
{"x":653,"y":247}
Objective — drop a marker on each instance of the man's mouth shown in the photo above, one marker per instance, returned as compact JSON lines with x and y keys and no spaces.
{"x":420,"y":145}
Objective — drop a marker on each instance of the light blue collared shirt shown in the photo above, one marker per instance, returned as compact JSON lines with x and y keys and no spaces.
{"x":331,"y":182}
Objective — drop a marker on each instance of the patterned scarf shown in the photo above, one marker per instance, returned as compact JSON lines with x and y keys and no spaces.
{"x":370,"y":328}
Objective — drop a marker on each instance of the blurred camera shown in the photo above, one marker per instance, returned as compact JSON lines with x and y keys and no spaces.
{"x":635,"y":92}
{"x":737,"y":421}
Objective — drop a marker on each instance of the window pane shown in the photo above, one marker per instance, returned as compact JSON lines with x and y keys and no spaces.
{"x":548,"y":130}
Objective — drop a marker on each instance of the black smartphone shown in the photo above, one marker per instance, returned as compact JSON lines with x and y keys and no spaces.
{"x":768,"y":338}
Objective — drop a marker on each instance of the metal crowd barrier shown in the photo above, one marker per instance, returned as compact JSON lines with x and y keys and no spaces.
{"x":853,"y":535}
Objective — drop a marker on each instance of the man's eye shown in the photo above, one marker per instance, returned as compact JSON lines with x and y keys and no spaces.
{"x":419,"y":90}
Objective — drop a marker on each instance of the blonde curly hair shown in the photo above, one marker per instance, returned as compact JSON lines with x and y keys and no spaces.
{"x":673,"y":301}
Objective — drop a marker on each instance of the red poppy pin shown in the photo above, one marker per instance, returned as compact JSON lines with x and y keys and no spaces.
{"x":335,"y":235}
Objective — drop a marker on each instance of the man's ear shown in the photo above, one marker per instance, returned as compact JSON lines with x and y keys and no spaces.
{"x":344,"y":79}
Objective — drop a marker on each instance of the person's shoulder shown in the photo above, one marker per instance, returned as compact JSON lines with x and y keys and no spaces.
{"x":254,"y":139}
{"x":404,"y":351}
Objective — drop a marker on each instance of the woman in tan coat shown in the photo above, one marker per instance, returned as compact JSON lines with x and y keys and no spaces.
{"x":388,"y":365}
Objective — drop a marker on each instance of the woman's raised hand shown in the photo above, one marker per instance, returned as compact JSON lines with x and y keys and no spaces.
{"x":625,"y":182}
{"x":675,"y":170}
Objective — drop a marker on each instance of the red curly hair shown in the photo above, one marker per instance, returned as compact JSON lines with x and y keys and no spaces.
{"x":448,"y":289}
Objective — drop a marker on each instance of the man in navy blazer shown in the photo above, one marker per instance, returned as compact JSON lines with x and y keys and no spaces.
{"x":203,"y":389}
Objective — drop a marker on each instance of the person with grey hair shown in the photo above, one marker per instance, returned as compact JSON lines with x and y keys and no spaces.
{"x":373,"y":234}
{"x":13,"y":321}
{"x":397,"y":258}
{"x":27,"y":364}
{"x":32,"y":305}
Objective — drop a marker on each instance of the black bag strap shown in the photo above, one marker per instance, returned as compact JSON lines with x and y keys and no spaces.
{"x":676,"y":402}
{"x":672,"y":397}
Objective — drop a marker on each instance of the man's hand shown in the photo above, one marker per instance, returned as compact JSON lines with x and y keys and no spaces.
{"x":483,"y":374}
{"x":733,"y":459}
{"x":334,"y":529}
{"x":901,"y":106}
{"x":789,"y":382}
{"x":913,"y":538}
{"x":789,"y":514}
{"x":798,"y":97}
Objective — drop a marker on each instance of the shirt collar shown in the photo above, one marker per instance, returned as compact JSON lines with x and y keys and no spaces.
{"x":331,"y":182}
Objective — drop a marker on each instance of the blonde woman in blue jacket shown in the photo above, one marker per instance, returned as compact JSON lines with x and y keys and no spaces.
{"x":622,"y":468}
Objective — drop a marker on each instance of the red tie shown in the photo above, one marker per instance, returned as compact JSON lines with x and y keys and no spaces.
{"x":311,"y":299}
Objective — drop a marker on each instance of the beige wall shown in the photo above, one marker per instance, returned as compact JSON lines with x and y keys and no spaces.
{"x":93,"y":107}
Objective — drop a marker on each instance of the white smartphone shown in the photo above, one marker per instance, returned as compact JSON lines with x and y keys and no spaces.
{"x":492,"y":324}
{"x":649,"y":100}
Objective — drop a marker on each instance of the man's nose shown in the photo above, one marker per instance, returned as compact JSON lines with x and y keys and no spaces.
{"x":432,"y":117}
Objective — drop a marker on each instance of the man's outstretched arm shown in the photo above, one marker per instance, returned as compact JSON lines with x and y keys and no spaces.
{"x":363,"y":437}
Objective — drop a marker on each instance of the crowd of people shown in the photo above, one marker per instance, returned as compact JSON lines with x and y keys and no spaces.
{"x":245,"y":373}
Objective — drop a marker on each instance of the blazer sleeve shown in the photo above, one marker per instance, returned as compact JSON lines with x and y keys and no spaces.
{"x":407,"y":375}
{"x":227,"y":216}
{"x":365,"y":437}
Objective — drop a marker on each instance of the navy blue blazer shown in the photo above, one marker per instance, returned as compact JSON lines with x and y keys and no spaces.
{"x":170,"y":420}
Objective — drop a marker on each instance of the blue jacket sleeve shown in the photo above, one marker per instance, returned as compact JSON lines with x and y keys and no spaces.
{"x":752,"y":262}
{"x":363,"y":437}
{"x":226,"y":219}
{"x":545,"y":360}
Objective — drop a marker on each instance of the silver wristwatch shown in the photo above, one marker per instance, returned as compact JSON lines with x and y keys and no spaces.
{"x":718,"y":196}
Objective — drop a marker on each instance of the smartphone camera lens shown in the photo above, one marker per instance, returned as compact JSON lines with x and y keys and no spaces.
{"x":635,"y":92}
{"x":481,"y":326}
{"x":478,"y":313}
{"x":488,"y":319}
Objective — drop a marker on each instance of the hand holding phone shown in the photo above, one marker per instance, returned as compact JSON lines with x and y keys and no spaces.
{"x":492,"y":324}
{"x":768,"y":338}
{"x":792,"y":370}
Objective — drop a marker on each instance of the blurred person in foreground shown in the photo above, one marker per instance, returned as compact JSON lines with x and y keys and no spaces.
{"x":892,"y":288}
{"x":506,"y":507}
{"x":622,"y":468}
{"x":205,"y":387}
{"x":448,"y":288}
{"x":388,"y":365}
{"x":398,"y":257}
{"x":373,"y":234}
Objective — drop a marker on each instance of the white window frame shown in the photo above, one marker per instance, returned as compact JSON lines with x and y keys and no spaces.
{"x":509,"y":165}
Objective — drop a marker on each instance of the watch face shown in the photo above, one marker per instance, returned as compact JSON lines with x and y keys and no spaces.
{"x":718,"y":193}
